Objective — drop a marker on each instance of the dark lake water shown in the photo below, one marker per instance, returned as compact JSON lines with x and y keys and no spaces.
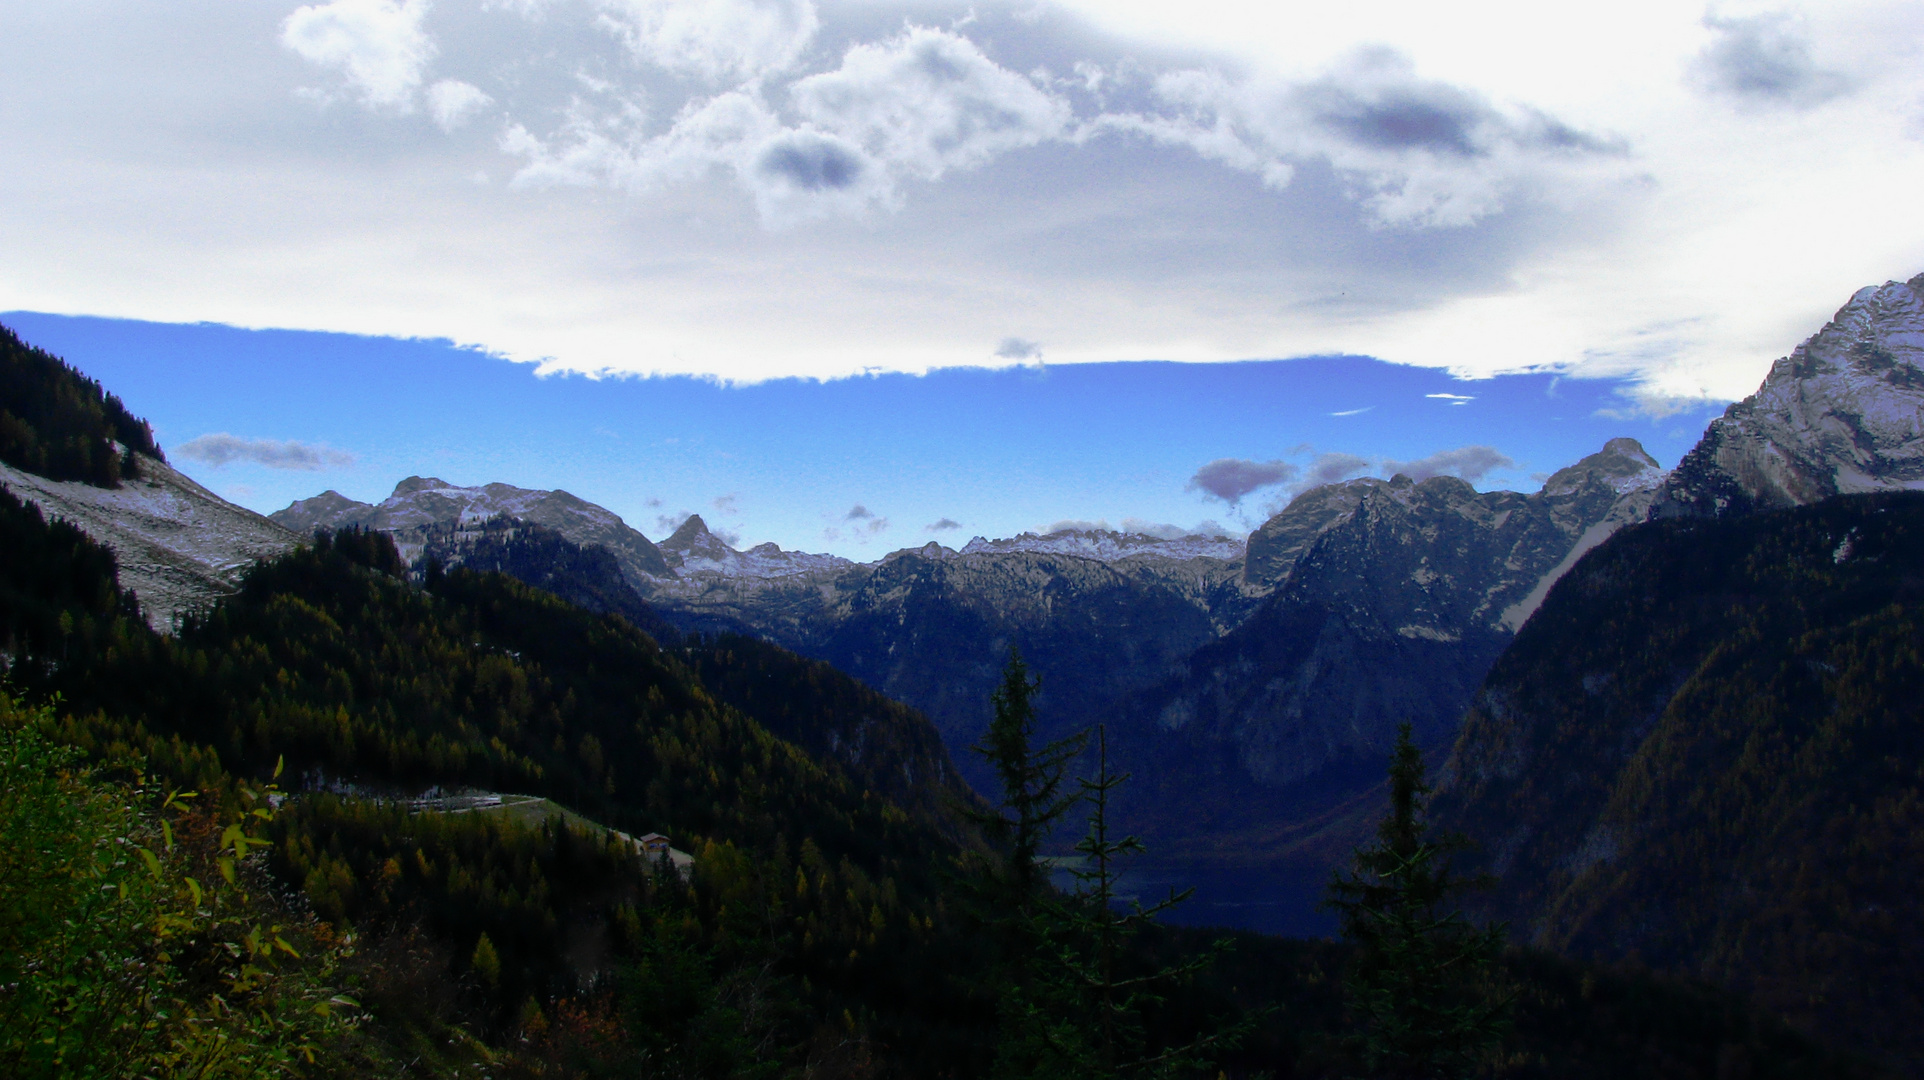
{"x":1269,"y":900}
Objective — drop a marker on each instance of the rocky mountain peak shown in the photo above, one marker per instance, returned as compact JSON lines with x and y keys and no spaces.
{"x":1842,"y":414}
{"x":418,"y":483}
{"x":689,"y":534}
{"x":329,"y":509}
{"x":1622,"y":463}
{"x":420,"y":503}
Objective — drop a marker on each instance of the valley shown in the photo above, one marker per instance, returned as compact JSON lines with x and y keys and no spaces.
{"x":1672,"y":712}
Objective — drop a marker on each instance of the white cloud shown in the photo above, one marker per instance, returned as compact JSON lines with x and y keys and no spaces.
{"x":377,"y":44}
{"x":453,"y":103}
{"x":719,"y":40}
{"x":916,"y":106}
{"x":929,"y":101}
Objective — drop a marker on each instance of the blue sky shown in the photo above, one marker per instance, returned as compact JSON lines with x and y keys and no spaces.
{"x":997,"y":451}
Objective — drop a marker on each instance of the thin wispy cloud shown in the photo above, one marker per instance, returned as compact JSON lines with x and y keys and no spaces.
{"x":1354,"y":412}
{"x":1454,"y":399}
{"x":220,"y":449}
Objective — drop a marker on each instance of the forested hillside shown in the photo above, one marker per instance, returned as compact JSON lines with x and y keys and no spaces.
{"x":362,"y":683}
{"x":1703,"y":753}
{"x":888,"y":747}
{"x":60,"y":424}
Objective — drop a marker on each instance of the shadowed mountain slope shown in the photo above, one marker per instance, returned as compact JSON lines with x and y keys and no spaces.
{"x":1703,"y":752}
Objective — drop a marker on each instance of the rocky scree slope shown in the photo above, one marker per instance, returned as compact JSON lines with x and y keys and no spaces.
{"x":1842,"y":414}
{"x":1392,"y":612}
{"x":179,"y":546}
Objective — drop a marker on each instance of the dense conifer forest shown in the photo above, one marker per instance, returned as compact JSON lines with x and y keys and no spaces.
{"x":60,"y":424}
{"x":1704,"y":751}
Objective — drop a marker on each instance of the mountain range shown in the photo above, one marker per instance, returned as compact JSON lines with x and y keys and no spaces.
{"x":1678,"y":709}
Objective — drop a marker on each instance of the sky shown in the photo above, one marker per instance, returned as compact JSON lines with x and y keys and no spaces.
{"x":811,"y":203}
{"x":857,"y":466}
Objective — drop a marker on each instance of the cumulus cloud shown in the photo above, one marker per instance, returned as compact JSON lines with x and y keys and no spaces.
{"x":944,"y":525}
{"x":221,"y":449}
{"x":916,"y":106}
{"x":1764,"y":59}
{"x":1015,"y":348}
{"x":726,"y":504}
{"x":858,"y":512}
{"x":718,"y":40}
{"x":453,"y":103}
{"x":793,"y":174}
{"x":1229,"y":479}
{"x":1417,"y":152}
{"x":377,"y":44}
{"x":875,"y":526}
{"x":1471,"y":463}
{"x":929,"y":101}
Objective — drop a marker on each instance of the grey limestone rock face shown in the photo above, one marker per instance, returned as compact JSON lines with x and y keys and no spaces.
{"x":1392,"y":610}
{"x":421,"y":502}
{"x":1842,"y":414}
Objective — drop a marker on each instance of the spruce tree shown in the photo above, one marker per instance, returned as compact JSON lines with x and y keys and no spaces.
{"x":1423,"y":981}
{"x":1092,"y":1000}
{"x":1033,"y":799}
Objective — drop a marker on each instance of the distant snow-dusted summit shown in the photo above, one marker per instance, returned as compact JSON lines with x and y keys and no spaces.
{"x":420,"y":502}
{"x":1108,"y":546}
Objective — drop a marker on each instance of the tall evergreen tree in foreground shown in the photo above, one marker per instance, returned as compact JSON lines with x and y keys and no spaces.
{"x":1033,"y":799}
{"x":1424,"y":982}
{"x":1074,"y":994}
